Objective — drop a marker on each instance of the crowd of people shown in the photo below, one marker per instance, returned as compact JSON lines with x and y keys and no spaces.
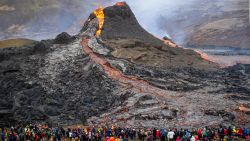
{"x":44,"y":133}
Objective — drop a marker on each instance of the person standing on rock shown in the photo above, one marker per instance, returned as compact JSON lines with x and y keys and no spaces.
{"x":230,"y":132}
{"x":199,"y":134}
{"x":70,"y":134}
{"x":90,"y":135}
{"x":158,"y":134}
{"x":178,"y":138}
{"x":2,"y":134}
{"x":28,"y":134}
{"x":154,"y":133}
{"x":245,"y":133}
{"x":150,"y":137}
{"x":21,"y":135}
{"x":221,"y":133}
{"x":171,"y":135}
{"x":163,"y":134}
{"x":192,"y":138}
{"x":143,"y":134}
{"x":131,"y":134}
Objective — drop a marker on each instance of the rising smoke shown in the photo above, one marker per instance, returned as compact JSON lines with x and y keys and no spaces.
{"x":52,"y":17}
{"x":47,"y":18}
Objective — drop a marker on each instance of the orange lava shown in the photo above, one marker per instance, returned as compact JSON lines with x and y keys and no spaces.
{"x":244,"y":109}
{"x":203,"y":55}
{"x":120,"y":4}
{"x":100,"y":16}
{"x":169,"y":43}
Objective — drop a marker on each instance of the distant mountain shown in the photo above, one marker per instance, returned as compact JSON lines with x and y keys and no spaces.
{"x":219,"y":23}
{"x":39,"y":19}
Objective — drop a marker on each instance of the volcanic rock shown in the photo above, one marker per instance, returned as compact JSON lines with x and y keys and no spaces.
{"x":47,"y":86}
{"x":122,"y":78}
{"x":42,"y":46}
{"x":63,"y":38}
{"x":225,"y":115}
{"x":98,"y":47}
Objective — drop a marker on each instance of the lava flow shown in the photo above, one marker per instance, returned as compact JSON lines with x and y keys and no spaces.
{"x":169,"y":43}
{"x":120,"y":4}
{"x":139,"y":86}
{"x":203,"y":55}
{"x":100,"y":16}
{"x":243,"y":108}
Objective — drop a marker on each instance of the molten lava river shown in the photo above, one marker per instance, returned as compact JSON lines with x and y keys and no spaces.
{"x":100,"y":16}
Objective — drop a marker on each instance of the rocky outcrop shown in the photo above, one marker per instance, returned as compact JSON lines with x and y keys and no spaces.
{"x":63,"y":38}
{"x":60,"y":85}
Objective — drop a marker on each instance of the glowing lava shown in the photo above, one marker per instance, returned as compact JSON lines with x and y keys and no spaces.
{"x":113,"y":73}
{"x":244,"y":109}
{"x":203,"y":55}
{"x":120,"y":4}
{"x":100,"y":16}
{"x":169,"y":43}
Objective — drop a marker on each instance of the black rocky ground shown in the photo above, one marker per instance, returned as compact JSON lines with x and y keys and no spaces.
{"x":52,"y":83}
{"x":57,"y":82}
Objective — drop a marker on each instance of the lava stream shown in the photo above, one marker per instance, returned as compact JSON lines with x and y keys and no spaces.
{"x":120,"y":4}
{"x":138,"y":85}
{"x":100,"y":16}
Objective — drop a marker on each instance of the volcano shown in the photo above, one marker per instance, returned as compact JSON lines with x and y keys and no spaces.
{"x":115,"y":72}
{"x":125,"y":37}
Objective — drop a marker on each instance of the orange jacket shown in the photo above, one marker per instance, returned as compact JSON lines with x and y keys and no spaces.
{"x":111,"y":139}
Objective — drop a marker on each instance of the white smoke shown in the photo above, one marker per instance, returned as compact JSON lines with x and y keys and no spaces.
{"x":150,"y":12}
{"x":159,"y":17}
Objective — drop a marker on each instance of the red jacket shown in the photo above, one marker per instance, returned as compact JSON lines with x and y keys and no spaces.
{"x":43,"y":135}
{"x":225,"y":132}
{"x":248,"y":137}
{"x":199,"y":132}
{"x":36,"y":137}
{"x":241,"y":131}
{"x":158,"y":133}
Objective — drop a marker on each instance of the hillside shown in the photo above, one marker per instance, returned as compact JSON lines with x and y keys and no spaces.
{"x":16,"y":43}
{"x":218,"y":23}
{"x":41,"y":19}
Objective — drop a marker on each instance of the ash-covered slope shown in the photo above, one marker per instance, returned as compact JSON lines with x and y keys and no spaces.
{"x":98,"y":80}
